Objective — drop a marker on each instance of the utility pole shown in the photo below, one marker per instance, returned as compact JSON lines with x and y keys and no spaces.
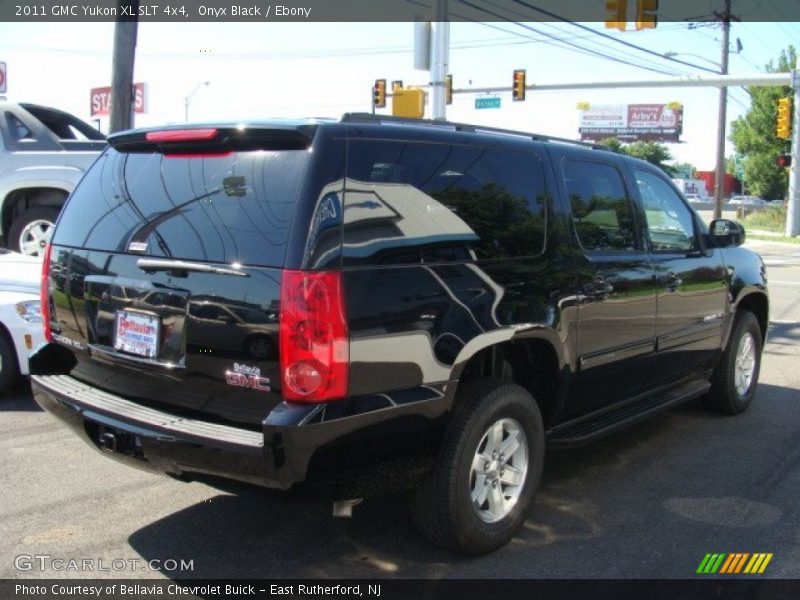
{"x":793,"y":208}
{"x":440,"y":50}
{"x":122,"y":68}
{"x":719,"y":177}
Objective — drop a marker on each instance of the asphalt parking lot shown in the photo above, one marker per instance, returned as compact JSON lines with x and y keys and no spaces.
{"x":648,"y":502}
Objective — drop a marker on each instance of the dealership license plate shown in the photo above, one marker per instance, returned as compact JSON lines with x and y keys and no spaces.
{"x":137,"y":333}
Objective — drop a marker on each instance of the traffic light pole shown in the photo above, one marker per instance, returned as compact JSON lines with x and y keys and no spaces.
{"x":719,"y":172}
{"x":440,"y":46}
{"x":793,"y":208}
{"x":124,"y":55}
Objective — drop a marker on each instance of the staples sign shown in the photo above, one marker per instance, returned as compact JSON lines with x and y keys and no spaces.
{"x":100,"y":100}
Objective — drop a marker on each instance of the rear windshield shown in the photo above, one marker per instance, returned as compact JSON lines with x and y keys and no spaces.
{"x":232,"y":208}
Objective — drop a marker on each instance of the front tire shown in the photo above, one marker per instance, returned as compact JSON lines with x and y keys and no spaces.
{"x":31,"y":231}
{"x":9,"y":369}
{"x":478,"y":493}
{"x":735,"y":378}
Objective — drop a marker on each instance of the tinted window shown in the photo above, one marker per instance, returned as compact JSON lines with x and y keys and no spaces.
{"x":601,"y":211}
{"x":415,"y":202}
{"x":17,"y":128}
{"x":669,"y":222}
{"x":228,"y":209}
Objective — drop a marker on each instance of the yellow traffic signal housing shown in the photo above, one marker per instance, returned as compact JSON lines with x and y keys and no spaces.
{"x":518,"y":86}
{"x":397,"y":85}
{"x":448,"y":90}
{"x":646,"y":14}
{"x":616,"y":14}
{"x":783,"y":124}
{"x":408,"y":103}
{"x":379,"y":93}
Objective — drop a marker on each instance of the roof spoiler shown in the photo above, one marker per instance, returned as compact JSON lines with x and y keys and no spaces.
{"x":202,"y":139}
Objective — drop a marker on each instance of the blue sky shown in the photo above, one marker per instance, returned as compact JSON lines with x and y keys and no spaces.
{"x":325,"y":69}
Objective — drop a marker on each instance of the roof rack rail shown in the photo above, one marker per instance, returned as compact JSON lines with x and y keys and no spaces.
{"x":465,"y":127}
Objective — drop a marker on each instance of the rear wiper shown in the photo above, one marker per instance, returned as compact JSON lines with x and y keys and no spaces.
{"x":180,"y":268}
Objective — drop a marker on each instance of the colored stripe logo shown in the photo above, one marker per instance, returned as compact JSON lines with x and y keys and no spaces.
{"x":734,"y":563}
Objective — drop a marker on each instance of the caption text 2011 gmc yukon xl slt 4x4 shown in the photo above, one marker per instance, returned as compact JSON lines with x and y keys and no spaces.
{"x":372,"y":304}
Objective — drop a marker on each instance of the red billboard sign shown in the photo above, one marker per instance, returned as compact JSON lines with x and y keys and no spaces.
{"x":632,"y":122}
{"x":100,"y":100}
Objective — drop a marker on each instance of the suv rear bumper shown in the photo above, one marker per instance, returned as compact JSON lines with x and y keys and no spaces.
{"x":283,"y":454}
{"x":154,"y":440}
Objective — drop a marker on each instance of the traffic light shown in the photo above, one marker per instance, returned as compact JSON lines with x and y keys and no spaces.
{"x":448,"y":90}
{"x":616,"y":11}
{"x":379,"y":93}
{"x":783,"y":124}
{"x":646,"y":14}
{"x":518,"y":88}
{"x":397,"y":85}
{"x":409,"y":103}
{"x":784,"y":160}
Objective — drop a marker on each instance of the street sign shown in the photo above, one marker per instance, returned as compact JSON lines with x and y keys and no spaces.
{"x":2,"y":78}
{"x":100,"y":100}
{"x":487,"y":102}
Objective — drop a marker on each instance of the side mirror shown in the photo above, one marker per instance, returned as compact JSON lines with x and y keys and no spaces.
{"x":726,"y":233}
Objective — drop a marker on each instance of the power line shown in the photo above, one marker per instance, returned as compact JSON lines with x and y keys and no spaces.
{"x":562,"y":44}
{"x":612,"y":38}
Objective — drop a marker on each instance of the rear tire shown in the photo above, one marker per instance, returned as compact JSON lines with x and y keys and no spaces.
{"x":476,"y":497}
{"x":735,"y":378}
{"x":30,"y":231}
{"x":9,"y":369}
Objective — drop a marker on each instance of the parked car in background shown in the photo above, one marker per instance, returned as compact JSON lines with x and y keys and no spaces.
{"x":747,"y":201}
{"x":777,"y":202}
{"x":21,"y":327}
{"x":696,"y":198}
{"x":44,"y":152}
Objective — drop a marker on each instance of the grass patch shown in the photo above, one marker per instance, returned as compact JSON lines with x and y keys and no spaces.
{"x":772,"y":218}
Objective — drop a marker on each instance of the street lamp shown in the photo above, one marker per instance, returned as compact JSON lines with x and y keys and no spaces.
{"x":719,"y":171}
{"x":187,"y":100}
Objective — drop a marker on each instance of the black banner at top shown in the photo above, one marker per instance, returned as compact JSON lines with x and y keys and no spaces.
{"x":256,"y":11}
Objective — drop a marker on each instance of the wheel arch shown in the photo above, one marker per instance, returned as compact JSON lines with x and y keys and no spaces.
{"x":533,"y":359}
{"x":754,"y":300}
{"x":19,"y":200}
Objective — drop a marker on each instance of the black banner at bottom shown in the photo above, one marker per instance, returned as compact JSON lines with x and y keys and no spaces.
{"x":399,"y":589}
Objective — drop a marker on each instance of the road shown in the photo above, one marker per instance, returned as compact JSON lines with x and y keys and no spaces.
{"x":648,"y":502}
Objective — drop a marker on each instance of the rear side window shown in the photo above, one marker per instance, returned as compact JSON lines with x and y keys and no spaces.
{"x":601,"y":211}
{"x":416,"y":203}
{"x":234,"y":208}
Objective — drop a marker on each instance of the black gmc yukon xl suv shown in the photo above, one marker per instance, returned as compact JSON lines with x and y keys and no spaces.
{"x":372,"y":304}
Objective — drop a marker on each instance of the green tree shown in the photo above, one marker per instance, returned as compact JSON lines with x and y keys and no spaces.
{"x":652,"y":152}
{"x":683,"y":169}
{"x":753,"y":135}
{"x":613,"y":144}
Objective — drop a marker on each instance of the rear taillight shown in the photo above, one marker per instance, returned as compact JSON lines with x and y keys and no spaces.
{"x":45,"y":294}
{"x":314,"y":340}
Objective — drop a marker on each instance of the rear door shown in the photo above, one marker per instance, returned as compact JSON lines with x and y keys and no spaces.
{"x":166,"y":273}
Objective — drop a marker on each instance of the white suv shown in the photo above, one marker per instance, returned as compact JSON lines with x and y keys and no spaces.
{"x":20,"y":318}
